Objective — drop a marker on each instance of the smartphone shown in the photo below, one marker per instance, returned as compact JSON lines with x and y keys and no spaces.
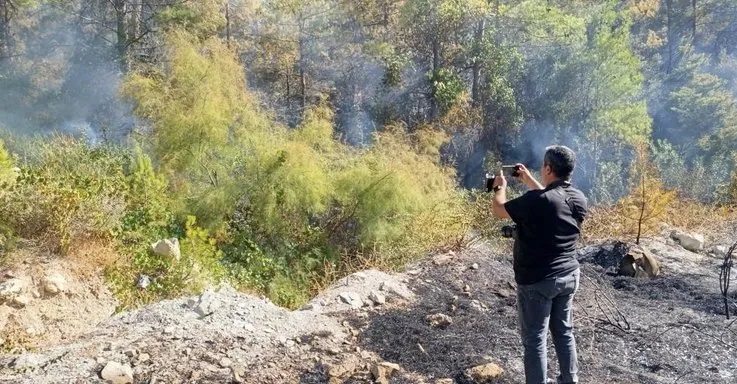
{"x":512,"y":170}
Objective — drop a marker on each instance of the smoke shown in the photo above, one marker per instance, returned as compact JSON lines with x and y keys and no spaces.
{"x":59,"y":79}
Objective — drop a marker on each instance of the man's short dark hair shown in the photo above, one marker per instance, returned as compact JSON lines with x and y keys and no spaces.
{"x":561,"y":160}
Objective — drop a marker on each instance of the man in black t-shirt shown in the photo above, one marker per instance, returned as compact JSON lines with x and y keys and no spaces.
{"x":548,"y":220}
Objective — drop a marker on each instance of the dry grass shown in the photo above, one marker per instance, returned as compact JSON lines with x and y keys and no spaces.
{"x":92,"y":257}
{"x":604,"y":222}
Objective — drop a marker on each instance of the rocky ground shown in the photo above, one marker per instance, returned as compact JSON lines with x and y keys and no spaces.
{"x":436,"y":322}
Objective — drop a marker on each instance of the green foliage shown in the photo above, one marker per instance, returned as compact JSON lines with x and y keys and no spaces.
{"x":6,"y":165}
{"x":198,"y":267}
{"x":74,"y":191}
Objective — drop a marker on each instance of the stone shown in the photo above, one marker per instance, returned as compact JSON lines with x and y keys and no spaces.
{"x":444,"y":381}
{"x":29,"y":361}
{"x":439,"y":320}
{"x":207,"y":304}
{"x":475,"y":266}
{"x":143,"y":281}
{"x":117,"y":373}
{"x":144,"y":357}
{"x":720,"y":250}
{"x":442,"y":259}
{"x":397,"y":289}
{"x":54,"y":283}
{"x":377,"y":298}
{"x":35,"y":293}
{"x":693,"y":242}
{"x":343,"y":369}
{"x":239,"y":371}
{"x":351,"y":298}
{"x":10,"y":288}
{"x":382,"y":371}
{"x":485,"y":373}
{"x":639,"y":262}
{"x":225,"y":362}
{"x":167,"y":248}
{"x":21,"y":301}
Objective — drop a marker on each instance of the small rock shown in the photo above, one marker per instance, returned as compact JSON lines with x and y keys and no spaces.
{"x":54,"y":283}
{"x":167,"y":248}
{"x":466,"y":288}
{"x":131,"y":353}
{"x":117,"y":373}
{"x":344,"y":368}
{"x":377,"y":297}
{"x":439,"y":320}
{"x":35,"y":293}
{"x":485,"y":373}
{"x":143,"y":281}
{"x":475,"y":266}
{"x":383,"y":370}
{"x":398,"y":289}
{"x":21,"y":301}
{"x":310,"y":307}
{"x":207,"y":304}
{"x":693,"y":242}
{"x":100,"y":360}
{"x":225,"y":362}
{"x":443,"y":259}
{"x":29,"y":361}
{"x":10,"y":288}
{"x":169,"y":330}
{"x":444,"y":381}
{"x":720,"y":250}
{"x":238,"y":372}
{"x":352,"y":299}
{"x":144,"y":357}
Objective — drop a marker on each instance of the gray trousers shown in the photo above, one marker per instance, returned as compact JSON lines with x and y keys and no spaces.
{"x":548,"y":303}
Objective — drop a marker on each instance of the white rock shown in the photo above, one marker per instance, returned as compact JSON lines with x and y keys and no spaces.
{"x":397,"y":289}
{"x":21,"y":300}
{"x":167,"y":248}
{"x":225,"y":362}
{"x":10,"y":288}
{"x":443,"y":259}
{"x":721,"y":250}
{"x":693,"y":242}
{"x":377,"y":297}
{"x":351,"y":298}
{"x":207,"y":304}
{"x":475,"y":266}
{"x":117,"y":373}
{"x":54,"y":283}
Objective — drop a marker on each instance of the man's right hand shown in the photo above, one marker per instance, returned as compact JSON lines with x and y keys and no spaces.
{"x":525,"y":176}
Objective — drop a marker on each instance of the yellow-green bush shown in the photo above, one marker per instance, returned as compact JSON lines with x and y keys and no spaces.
{"x":73,"y":191}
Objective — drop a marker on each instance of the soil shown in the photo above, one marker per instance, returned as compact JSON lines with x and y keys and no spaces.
{"x":670,"y":329}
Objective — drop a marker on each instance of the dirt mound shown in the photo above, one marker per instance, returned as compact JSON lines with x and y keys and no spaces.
{"x":47,"y":300}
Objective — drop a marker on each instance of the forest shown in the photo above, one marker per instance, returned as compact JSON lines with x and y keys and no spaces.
{"x":287,"y":143}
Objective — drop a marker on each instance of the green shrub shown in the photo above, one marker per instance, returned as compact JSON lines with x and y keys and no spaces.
{"x":72,"y":191}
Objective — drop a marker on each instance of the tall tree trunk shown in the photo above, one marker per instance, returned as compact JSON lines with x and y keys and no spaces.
{"x":476,"y":82}
{"x":227,"y":23}
{"x":302,"y":64}
{"x":694,"y":19}
{"x":669,"y":35}
{"x":121,"y":30}
{"x":6,"y":11}
{"x":435,"y":69}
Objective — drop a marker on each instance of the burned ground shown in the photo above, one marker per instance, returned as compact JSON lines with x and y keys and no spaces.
{"x":670,"y":329}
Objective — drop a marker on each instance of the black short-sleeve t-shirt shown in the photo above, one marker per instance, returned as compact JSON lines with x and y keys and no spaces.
{"x":548,"y":227}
